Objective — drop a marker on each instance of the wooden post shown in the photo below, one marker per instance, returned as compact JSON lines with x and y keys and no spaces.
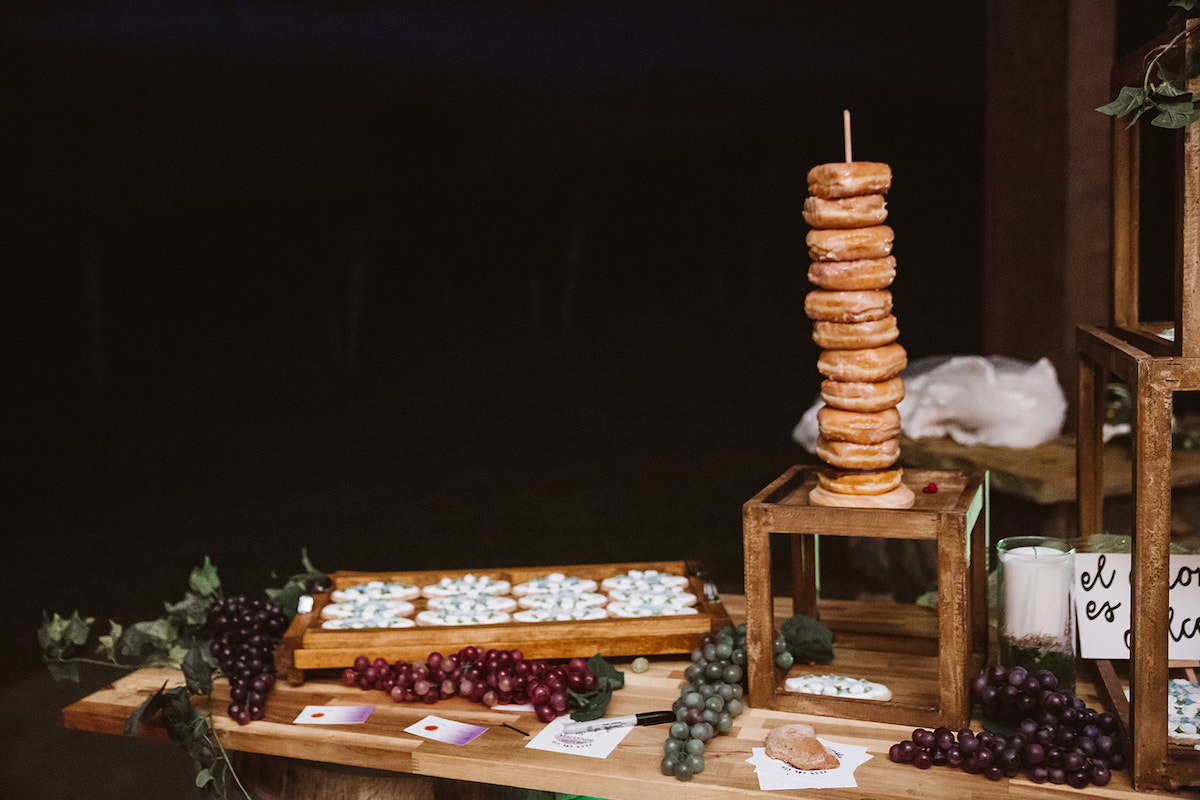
{"x":1151,"y":562}
{"x":1089,"y":446}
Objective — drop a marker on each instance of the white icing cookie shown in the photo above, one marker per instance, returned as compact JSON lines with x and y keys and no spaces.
{"x":667,"y":610}
{"x":368,"y":608}
{"x":1183,"y":711}
{"x":563,"y":600}
{"x":656,"y":597}
{"x":472,"y":602}
{"x":555,"y":582}
{"x":560,"y":614}
{"x":376,"y":590}
{"x":839,"y":686}
{"x":468,"y":584}
{"x":643,"y":579}
{"x":445,"y":616}
{"x":356,"y":623}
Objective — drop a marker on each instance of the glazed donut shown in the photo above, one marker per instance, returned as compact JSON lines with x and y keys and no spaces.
{"x":863,"y":395}
{"x":865,"y":306}
{"x":859,"y":481}
{"x":849,"y":276}
{"x":845,"y":212}
{"x":849,"y":178}
{"x":869,"y":364}
{"x":900,"y":497}
{"x":849,"y":244}
{"x":860,"y":427}
{"x":855,"y":335}
{"x":851,"y":455}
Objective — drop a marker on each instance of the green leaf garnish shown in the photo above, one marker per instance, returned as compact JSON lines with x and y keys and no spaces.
{"x":592,"y":705}
{"x":1128,"y":99}
{"x":204,"y":579}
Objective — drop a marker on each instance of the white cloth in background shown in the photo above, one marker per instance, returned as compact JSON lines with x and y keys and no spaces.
{"x":996,"y":400}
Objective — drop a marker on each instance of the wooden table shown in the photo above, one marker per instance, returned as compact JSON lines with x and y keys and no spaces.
{"x":378,"y":760}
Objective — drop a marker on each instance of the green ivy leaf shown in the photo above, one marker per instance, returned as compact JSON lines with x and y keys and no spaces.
{"x":203,"y":778}
{"x":197,"y":671}
{"x":592,"y":705}
{"x":78,"y":629}
{"x":1128,"y":99}
{"x":159,"y":636}
{"x":287,"y":597}
{"x":106,"y":646}
{"x":1175,"y":116}
{"x":1186,"y":5}
{"x":192,"y":610}
{"x":204,"y":579}
{"x":60,"y":637}
{"x":602,"y":669}
{"x":151,"y":706}
{"x":50,"y":635}
{"x":63,"y":671}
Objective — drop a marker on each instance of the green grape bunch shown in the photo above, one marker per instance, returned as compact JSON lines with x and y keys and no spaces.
{"x":712,"y":697}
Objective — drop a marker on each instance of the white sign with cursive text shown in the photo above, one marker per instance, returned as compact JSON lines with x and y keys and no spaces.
{"x":1102,"y":582}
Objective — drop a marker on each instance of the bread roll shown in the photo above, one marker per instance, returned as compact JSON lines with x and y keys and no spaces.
{"x":798,"y":746}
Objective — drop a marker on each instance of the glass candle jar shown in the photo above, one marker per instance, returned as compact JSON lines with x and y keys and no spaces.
{"x":1036,"y":579}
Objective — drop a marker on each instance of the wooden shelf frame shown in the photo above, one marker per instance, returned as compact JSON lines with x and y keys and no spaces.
{"x":955,"y":517}
{"x":1154,"y":367}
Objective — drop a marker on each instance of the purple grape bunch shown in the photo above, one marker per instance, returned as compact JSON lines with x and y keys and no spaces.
{"x":489,"y":677}
{"x":1054,"y":736}
{"x":245,"y":632}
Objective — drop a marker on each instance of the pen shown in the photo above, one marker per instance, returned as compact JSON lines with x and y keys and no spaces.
{"x":608,"y":723}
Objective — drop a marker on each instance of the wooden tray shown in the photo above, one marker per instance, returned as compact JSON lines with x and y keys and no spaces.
{"x":306,"y":645}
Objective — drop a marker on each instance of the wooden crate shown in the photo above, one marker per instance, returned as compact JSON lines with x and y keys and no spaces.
{"x":1154,"y":366}
{"x":928,"y":662}
{"x":307,"y":646}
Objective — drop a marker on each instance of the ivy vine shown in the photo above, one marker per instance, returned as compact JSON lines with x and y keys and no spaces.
{"x":1162,"y":92}
{"x":180,"y":639}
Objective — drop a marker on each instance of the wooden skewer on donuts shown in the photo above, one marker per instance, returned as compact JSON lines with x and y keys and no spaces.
{"x":851,"y":269}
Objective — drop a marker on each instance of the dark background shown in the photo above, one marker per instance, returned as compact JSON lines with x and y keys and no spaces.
{"x":450,"y":284}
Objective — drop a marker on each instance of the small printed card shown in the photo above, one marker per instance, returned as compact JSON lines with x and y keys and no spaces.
{"x":596,"y":744}
{"x":776,"y":774}
{"x":334,"y":715}
{"x":445,"y":730}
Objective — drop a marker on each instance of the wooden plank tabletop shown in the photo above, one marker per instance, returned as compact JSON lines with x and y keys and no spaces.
{"x":499,"y":756}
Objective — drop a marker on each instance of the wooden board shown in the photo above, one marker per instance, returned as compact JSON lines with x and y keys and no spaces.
{"x":307,"y":646}
{"x":379,"y":754}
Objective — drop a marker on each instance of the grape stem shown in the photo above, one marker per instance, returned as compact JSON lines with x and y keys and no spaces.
{"x":212,"y":729}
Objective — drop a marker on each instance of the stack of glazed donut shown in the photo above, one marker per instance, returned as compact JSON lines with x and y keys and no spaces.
{"x":851,"y":308}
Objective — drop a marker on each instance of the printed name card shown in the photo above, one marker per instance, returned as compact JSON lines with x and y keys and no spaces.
{"x":1102,"y":582}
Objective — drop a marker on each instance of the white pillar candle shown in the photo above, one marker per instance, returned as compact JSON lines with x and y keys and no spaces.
{"x":1037,"y":591}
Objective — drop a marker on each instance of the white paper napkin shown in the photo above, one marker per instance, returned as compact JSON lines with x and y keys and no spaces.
{"x":775,"y":774}
{"x":596,"y":744}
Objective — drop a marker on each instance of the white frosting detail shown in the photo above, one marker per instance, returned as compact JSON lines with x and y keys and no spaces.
{"x":838,"y":685}
{"x":368,"y":608}
{"x":616,"y":609}
{"x":555,"y":582}
{"x":355,"y":623}
{"x":560,"y":614}
{"x":472,"y":602}
{"x":445,"y":616}
{"x":563,"y":600}
{"x":376,"y":590}
{"x":467,"y":584}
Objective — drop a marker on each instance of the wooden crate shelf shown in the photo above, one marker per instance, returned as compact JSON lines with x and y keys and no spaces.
{"x":1154,"y":365}
{"x":925,"y":656}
